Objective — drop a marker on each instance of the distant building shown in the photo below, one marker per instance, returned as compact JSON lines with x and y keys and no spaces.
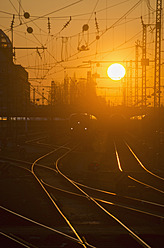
{"x":14,"y":85}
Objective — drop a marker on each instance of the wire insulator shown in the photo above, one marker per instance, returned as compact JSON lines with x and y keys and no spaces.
{"x":49,"y":25}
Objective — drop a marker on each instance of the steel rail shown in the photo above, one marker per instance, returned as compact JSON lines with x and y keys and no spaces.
{"x":90,"y":198}
{"x":153,"y":174}
{"x":101,"y":191}
{"x":40,"y":224}
{"x":117,"y":157}
{"x":36,"y":139}
{"x":145,"y":184}
{"x":81,"y":242}
{"x":95,"y":189}
{"x":132,"y":178}
{"x":104,"y":201}
{"x":135,"y":236}
{"x":15,"y":240}
{"x":126,"y":197}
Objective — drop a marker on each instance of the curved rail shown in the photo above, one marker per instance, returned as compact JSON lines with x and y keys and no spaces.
{"x":132,"y":178}
{"x":153,"y":174}
{"x":135,"y":236}
{"x":103,"y":201}
{"x":80,"y":241}
{"x":107,"y":193}
{"x":52,"y":200}
{"x":16,"y":240}
{"x":40,"y":224}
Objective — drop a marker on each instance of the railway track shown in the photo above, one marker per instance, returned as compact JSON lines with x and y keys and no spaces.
{"x":34,"y":233}
{"x":92,"y":214}
{"x":100,"y":206}
{"x":130,"y":164}
{"x":31,"y":171}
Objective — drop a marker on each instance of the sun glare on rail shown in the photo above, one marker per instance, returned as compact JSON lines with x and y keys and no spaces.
{"x":116,"y":71}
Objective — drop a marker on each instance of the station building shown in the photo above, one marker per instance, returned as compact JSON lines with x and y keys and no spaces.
{"x":14,"y":85}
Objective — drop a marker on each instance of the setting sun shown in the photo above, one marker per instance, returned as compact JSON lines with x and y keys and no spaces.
{"x":116,"y":71}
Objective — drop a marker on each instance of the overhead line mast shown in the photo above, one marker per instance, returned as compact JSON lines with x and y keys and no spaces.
{"x":157,"y":90}
{"x":144,"y":62}
{"x":137,"y":45}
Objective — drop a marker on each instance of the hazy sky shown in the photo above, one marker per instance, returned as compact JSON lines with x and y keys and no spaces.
{"x":117,"y":23}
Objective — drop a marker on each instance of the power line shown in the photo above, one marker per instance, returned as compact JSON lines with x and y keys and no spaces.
{"x":50,"y":13}
{"x":92,"y":11}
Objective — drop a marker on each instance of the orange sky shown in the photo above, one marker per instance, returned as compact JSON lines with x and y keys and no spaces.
{"x":117,"y":23}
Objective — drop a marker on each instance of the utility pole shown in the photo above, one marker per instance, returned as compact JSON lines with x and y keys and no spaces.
{"x":144,"y":62}
{"x":157,"y":86}
{"x":136,"y":72}
{"x":12,"y":34}
{"x":124,"y":90}
{"x":157,"y":90}
{"x":130,"y":85}
{"x":12,"y":40}
{"x":127,"y":84}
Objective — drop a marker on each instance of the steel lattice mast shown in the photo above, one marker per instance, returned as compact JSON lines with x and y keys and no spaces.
{"x":157,"y":90}
{"x":144,"y":62}
{"x":136,"y":71}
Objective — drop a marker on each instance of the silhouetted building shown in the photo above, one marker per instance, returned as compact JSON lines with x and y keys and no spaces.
{"x":14,"y":85}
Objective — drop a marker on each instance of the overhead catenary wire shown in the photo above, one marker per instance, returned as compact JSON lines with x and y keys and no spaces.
{"x":149,"y":5}
{"x":47,"y":73}
{"x":129,"y":11}
{"x":75,"y":15}
{"x":27,"y":26}
{"x":38,"y":27}
{"x":57,"y":62}
{"x":120,"y":19}
{"x":24,"y":23}
{"x":29,"y":17}
{"x":92,"y":12}
{"x":108,"y":27}
{"x":113,"y":25}
{"x":50,"y":13}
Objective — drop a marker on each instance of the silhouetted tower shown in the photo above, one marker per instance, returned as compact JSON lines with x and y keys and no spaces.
{"x":66,"y":89}
{"x":136,"y":72}
{"x":157,"y":54}
{"x":127,"y":84}
{"x":130,"y":85}
{"x":53,"y":93}
{"x":129,"y":93}
{"x":12,"y":34}
{"x":124,"y":90}
{"x":144,"y":62}
{"x":73,"y":90}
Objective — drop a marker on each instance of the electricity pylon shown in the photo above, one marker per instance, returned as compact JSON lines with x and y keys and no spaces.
{"x":157,"y":90}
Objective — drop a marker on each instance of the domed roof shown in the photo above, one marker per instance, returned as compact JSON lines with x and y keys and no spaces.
{"x":4,"y":40}
{"x":6,"y":54}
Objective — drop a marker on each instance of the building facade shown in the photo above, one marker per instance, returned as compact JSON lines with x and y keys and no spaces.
{"x":14,"y":85}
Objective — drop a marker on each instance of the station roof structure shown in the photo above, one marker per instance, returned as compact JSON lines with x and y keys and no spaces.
{"x":6,"y":54}
{"x":4,"y":40}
